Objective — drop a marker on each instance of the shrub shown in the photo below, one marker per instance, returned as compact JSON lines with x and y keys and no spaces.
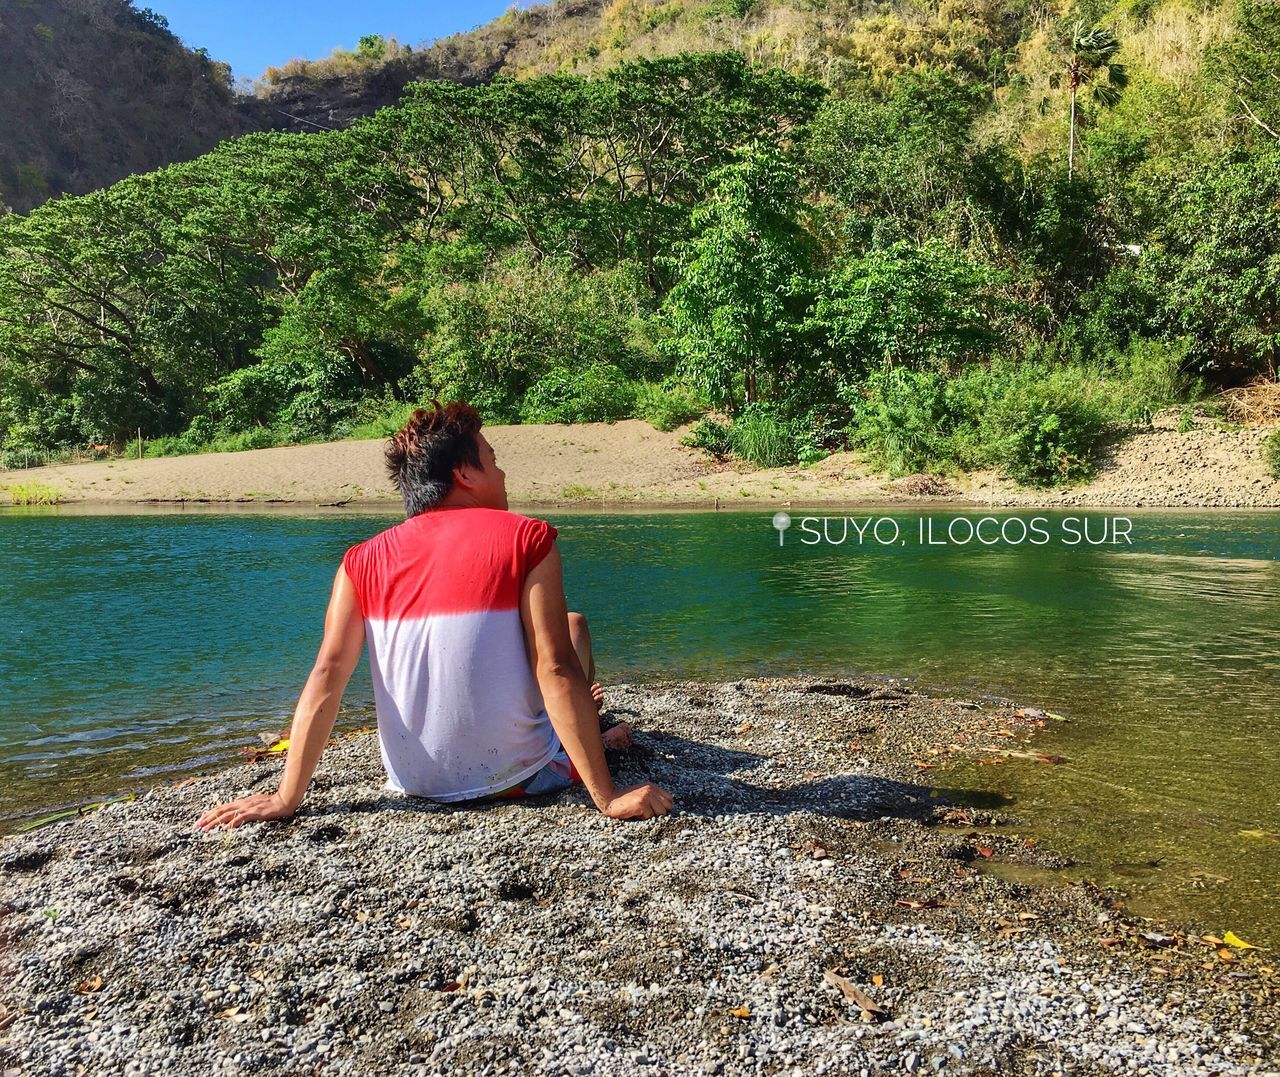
{"x":761,"y":434}
{"x":903,"y":420}
{"x":600,"y":393}
{"x":517,"y":332}
{"x":376,"y":418}
{"x":1038,"y":422}
{"x":1271,"y":453}
{"x":1053,"y":441}
{"x":666,"y":405}
{"x":711,"y":436}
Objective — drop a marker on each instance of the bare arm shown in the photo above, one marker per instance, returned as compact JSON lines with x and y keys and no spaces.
{"x":567,"y":696}
{"x":312,"y":719}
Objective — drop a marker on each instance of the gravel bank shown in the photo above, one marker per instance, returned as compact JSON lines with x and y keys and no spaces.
{"x":809,"y":908}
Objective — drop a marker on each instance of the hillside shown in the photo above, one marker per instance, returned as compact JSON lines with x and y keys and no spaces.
{"x":827,"y":40}
{"x":96,"y":90}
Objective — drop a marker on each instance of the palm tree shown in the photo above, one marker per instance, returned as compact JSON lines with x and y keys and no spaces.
{"x":1091,"y":53}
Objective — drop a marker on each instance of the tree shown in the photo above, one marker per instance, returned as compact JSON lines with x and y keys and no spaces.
{"x":1249,"y":60}
{"x":926,"y":308}
{"x":1090,"y":55}
{"x":371,"y":47}
{"x":908,"y":165}
{"x":743,"y":277}
{"x":1215,"y":262}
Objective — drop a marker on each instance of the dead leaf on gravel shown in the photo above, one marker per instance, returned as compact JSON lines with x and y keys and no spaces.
{"x":1232,"y":939}
{"x":927,"y":903}
{"x":88,"y":986}
{"x":770,"y":972}
{"x":743,"y":728}
{"x":740,"y":1012}
{"x":853,"y":993}
{"x":877,"y":980}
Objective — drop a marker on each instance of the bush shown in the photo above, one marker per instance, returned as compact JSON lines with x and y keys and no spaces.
{"x":1037,"y":422}
{"x":600,"y":393}
{"x":711,"y":436}
{"x":32,"y":493}
{"x":1040,"y":423}
{"x":376,"y":418}
{"x":1153,"y":377}
{"x":1053,"y":441}
{"x":903,"y":420}
{"x":512,"y":337}
{"x":1271,"y":453}
{"x":760,"y":434}
{"x":666,"y":405}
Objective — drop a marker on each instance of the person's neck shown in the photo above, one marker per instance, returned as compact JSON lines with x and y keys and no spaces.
{"x":458,"y":499}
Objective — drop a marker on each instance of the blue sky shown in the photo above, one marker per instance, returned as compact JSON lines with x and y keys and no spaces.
{"x":252,"y":35}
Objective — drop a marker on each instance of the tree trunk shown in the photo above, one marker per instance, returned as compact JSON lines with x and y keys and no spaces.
{"x":1071,"y":137}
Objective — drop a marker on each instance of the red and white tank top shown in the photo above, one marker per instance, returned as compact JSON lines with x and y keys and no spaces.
{"x":460,"y":714}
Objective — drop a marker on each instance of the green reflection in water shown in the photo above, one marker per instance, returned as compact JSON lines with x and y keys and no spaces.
{"x":133,"y":648}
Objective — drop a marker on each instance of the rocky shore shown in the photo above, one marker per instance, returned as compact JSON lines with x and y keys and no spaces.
{"x":813,"y":905}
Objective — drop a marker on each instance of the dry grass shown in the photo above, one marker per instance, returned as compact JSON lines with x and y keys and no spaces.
{"x":1172,"y":44}
{"x":1254,"y":404}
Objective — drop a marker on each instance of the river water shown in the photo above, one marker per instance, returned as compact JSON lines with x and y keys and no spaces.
{"x":137,"y":648}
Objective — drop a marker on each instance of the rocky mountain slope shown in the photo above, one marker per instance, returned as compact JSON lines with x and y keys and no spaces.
{"x":94,"y":90}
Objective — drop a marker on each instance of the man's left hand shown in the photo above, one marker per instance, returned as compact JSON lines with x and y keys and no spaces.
{"x":250,"y":809}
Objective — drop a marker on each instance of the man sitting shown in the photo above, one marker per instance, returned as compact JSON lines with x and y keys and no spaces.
{"x":479,"y":687}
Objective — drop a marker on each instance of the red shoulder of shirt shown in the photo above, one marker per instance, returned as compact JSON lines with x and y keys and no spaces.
{"x":447,"y":561}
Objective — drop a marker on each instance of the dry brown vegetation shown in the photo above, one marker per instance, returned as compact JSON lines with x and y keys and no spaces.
{"x":1257,"y":403}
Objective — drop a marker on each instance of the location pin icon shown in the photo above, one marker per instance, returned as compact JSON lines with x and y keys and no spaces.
{"x":781,"y":521}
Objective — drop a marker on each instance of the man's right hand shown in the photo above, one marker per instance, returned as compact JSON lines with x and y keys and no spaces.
{"x":641,"y":802}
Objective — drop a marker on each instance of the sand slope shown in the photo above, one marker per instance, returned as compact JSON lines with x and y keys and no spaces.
{"x":630,"y":463}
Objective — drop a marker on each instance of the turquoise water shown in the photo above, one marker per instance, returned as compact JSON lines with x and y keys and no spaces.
{"x":138,"y":648}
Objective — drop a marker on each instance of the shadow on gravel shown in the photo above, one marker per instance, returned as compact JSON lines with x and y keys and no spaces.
{"x":708,"y":779}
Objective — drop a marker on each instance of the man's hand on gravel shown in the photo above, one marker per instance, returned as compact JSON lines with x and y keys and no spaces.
{"x":641,"y":802}
{"x":250,"y":809}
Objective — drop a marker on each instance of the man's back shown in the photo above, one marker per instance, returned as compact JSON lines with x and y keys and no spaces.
{"x":460,"y":714}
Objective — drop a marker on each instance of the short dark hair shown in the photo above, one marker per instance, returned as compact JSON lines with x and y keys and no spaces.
{"x":421,"y":456}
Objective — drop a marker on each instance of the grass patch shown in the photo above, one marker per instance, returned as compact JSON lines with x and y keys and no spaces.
{"x":32,"y":493}
{"x":577,"y":492}
{"x":1271,"y":452}
{"x":260,"y":437}
{"x":666,"y":405}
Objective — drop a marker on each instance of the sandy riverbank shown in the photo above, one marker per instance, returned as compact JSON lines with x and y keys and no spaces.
{"x":631,"y":464}
{"x":810,"y":907}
